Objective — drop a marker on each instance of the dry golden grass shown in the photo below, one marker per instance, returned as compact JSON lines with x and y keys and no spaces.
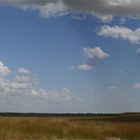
{"x":70,"y":128}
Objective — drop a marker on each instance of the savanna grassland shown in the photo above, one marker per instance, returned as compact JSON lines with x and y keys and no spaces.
{"x":119,"y":127}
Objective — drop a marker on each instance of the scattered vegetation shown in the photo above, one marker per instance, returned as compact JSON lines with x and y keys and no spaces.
{"x":115,"y":127}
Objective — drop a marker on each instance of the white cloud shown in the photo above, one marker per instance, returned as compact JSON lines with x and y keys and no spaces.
{"x":105,"y":18}
{"x":120,"y":32}
{"x":3,"y":85}
{"x":23,"y":71}
{"x":25,"y":85}
{"x":138,"y":51}
{"x":96,"y":52}
{"x":46,"y":7}
{"x":15,"y":88}
{"x":22,"y":78}
{"x":85,"y":67}
{"x":136,"y":86}
{"x":91,"y":54}
{"x":3,"y":69}
{"x":53,"y":9}
{"x":77,"y":17}
{"x":59,"y":7}
{"x":65,"y":95}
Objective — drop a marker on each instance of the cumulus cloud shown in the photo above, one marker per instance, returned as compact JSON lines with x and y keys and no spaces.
{"x":60,"y":7}
{"x":120,"y":32}
{"x":136,"y":86}
{"x":78,"y":17}
{"x":92,"y":55}
{"x":86,"y":67}
{"x":3,"y":85}
{"x":64,"y":95}
{"x":23,"y":84}
{"x":23,"y":71}
{"x":104,"y":18}
{"x":4,"y":70}
{"x":45,"y":7}
{"x":22,"y":78}
{"x":96,"y":52}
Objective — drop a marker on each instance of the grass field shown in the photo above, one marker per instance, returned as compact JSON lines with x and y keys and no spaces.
{"x":120,"y":127}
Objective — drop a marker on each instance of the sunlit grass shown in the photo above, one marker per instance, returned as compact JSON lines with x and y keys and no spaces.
{"x":66,"y":128}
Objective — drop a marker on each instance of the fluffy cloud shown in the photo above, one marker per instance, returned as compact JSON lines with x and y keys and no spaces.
{"x":104,"y":18}
{"x":23,"y":84}
{"x":60,"y":7}
{"x":23,"y":71}
{"x":65,"y":95}
{"x":46,"y":7}
{"x":3,"y":69}
{"x":86,"y":67}
{"x":119,"y":32}
{"x":22,"y":78}
{"x":3,"y":85}
{"x":136,"y":86}
{"x":96,"y":52}
{"x":92,"y":54}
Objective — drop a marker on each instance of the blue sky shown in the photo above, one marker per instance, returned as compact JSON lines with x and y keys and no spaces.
{"x":54,"y":59}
